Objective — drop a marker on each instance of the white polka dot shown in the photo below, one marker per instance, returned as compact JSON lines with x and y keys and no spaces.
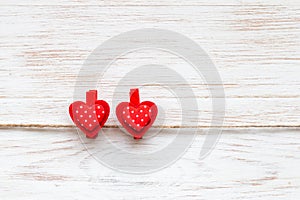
{"x":90,"y":125}
{"x":138,"y":125}
{"x":132,"y":111}
{"x":80,"y":107}
{"x":149,"y":110}
{"x":98,"y":107}
{"x":142,"y":120}
{"x":90,"y":116}
{"x":81,"y":116}
{"x":81,"y":124}
{"x":141,"y":111}
{"x":94,"y":120}
{"x":133,"y":120}
{"x":85,"y":111}
{"x":94,"y":111}
{"x":98,"y":116}
{"x":123,"y":112}
{"x":103,"y":112}
{"x":146,"y":115}
{"x":76,"y":111}
{"x":127,"y":107}
{"x":137,"y":115}
{"x":145,"y":106}
{"x":85,"y":120}
{"x":128,"y":116}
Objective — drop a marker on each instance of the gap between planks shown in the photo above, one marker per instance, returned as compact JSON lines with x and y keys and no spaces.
{"x":4,"y":126}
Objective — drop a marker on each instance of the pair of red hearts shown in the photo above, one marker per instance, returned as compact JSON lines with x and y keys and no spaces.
{"x":134,"y":116}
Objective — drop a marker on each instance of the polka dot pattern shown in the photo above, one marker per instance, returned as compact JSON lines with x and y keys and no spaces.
{"x":137,"y":118}
{"x":89,"y":117}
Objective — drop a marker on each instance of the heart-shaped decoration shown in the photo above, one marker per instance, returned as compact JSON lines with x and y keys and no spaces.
{"x":91,"y":116}
{"x":136,"y":117}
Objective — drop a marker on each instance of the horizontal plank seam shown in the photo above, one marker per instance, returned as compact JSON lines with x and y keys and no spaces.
{"x":198,"y":97}
{"x":148,"y":5}
{"x":159,"y":126}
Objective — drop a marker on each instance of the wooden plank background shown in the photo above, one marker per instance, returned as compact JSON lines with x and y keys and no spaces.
{"x":246,"y":164}
{"x":254,"y":44}
{"x":255,"y":47}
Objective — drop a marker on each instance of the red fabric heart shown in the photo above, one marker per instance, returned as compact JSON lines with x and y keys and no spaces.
{"x":136,"y":117}
{"x":91,"y":116}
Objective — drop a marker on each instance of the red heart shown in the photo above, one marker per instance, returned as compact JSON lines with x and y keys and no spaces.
{"x":91,"y":116}
{"x":136,"y":117}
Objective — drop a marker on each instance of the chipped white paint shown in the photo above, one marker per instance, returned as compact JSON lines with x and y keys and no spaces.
{"x":254,"y":45}
{"x":43,"y":164}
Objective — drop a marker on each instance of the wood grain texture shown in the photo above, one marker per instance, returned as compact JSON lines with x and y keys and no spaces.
{"x":254,"y":45}
{"x":246,"y":164}
{"x":152,"y":3}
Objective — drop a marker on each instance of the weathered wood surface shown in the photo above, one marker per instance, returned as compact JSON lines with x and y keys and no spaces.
{"x":254,"y":45}
{"x":246,"y":164}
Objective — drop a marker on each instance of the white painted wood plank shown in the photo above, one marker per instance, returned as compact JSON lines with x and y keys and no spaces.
{"x":254,"y":45}
{"x":151,"y":3}
{"x":246,"y":164}
{"x":239,"y":112}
